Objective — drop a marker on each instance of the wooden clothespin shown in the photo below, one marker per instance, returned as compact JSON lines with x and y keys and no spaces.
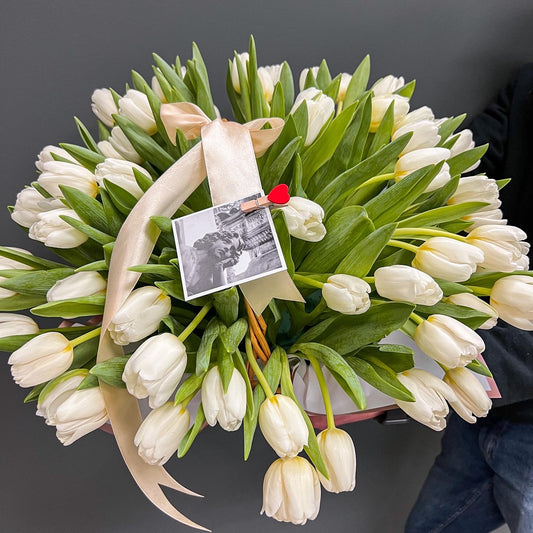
{"x":277,"y":197}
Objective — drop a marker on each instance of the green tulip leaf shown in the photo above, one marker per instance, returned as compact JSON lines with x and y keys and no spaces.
{"x":72,"y":308}
{"x":110,"y":371}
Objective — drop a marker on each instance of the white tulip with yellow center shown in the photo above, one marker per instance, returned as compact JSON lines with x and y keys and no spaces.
{"x":467,"y":299}
{"x":430,"y":393}
{"x":381,"y":103}
{"x":304,"y":219}
{"x":347,"y":294}
{"x":291,"y":491}
{"x":29,"y":204}
{"x":472,"y":400}
{"x":512,"y":297}
{"x":156,"y":87}
{"x":161,"y":432}
{"x":338,"y":451}
{"x":13,"y":324}
{"x":405,"y":283}
{"x":58,"y":173}
{"x":41,"y":359}
{"x":139,"y":315}
{"x":104,"y":106}
{"x":417,"y":159}
{"x":136,"y":107}
{"x":448,"y":341}
{"x":120,"y":172}
{"x":320,"y":109}
{"x":156,"y":368}
{"x":77,"y":286}
{"x":54,"y":232}
{"x":123,"y":146}
{"x":449,"y":259}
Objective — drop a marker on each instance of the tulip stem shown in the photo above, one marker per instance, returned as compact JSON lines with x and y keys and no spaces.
{"x":428,"y":231}
{"x":480,"y":291}
{"x":195,"y":321}
{"x":375,"y":179}
{"x":323,"y":389}
{"x":255,"y":367}
{"x":87,"y":336}
{"x":369,"y":279}
{"x":416,"y":318}
{"x":308,"y":281}
{"x":404,"y":245}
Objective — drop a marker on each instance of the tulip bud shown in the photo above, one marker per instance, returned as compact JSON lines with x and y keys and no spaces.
{"x":156,"y":87}
{"x":381,"y":103}
{"x":120,"y":173}
{"x":228,"y":408}
{"x":243,"y":60}
{"x":320,"y":109}
{"x":338,"y":452}
{"x":430,"y":393}
{"x":269,"y":76}
{"x":404,"y":283}
{"x":467,"y":299}
{"x":347,"y":294}
{"x":58,"y":173}
{"x":291,"y":491}
{"x":29,"y":204}
{"x":421,"y":114}
{"x":448,"y":341}
{"x":472,"y":400}
{"x":425,"y":135}
{"x":55,"y":232}
{"x":476,"y":189}
{"x":109,"y":152}
{"x":122,"y":145}
{"x":388,"y":85}
{"x":283,"y":425}
{"x":82,"y":412}
{"x":10,"y":264}
{"x":501,"y":246}
{"x":13,"y":324}
{"x":56,"y":392}
{"x":77,"y":286}
{"x":304,"y":219}
{"x":343,"y":86}
{"x":484,"y":217}
{"x":448,"y":259}
{"x":512,"y":297}
{"x":303,"y":76}
{"x":136,"y":107}
{"x":139,"y":315}
{"x":103,"y":106}
{"x":156,"y":368}
{"x":45,"y":155}
{"x":41,"y":359}
{"x":161,"y":432}
{"x":417,"y":159}
{"x":463,"y":143}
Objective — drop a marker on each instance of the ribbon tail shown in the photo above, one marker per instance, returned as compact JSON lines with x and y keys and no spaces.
{"x":259,"y":292}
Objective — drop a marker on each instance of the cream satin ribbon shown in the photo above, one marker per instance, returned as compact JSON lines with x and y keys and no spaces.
{"x":136,"y":240}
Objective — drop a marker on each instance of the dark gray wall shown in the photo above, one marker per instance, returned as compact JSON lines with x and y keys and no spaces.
{"x":53,"y":54}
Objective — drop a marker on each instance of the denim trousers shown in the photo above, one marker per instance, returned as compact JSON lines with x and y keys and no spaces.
{"x":482,"y":479}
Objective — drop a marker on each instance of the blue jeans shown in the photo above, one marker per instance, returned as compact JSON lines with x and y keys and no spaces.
{"x":482,"y":478}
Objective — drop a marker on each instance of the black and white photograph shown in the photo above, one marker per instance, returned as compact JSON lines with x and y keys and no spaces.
{"x":222,"y":246}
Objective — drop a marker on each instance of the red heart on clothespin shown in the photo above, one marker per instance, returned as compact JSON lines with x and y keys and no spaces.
{"x":279,"y":194}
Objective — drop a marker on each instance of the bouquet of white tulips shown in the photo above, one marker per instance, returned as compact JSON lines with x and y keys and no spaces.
{"x":382,"y":233}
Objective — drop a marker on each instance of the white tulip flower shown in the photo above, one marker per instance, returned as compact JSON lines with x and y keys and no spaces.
{"x":123,"y":146}
{"x":41,"y":359}
{"x":269,"y":76}
{"x":422,"y":114}
{"x":405,"y":283}
{"x":228,"y":408}
{"x":449,"y":259}
{"x":472,"y":400}
{"x":463,"y":143}
{"x":347,"y":294}
{"x":156,"y":368}
{"x":103,"y":106}
{"x":54,"y":232}
{"x":156,"y":87}
{"x":303,"y":76}
{"x":243,"y":60}
{"x":11,"y":264}
{"x":320,"y":109}
{"x":512,"y":297}
{"x":448,"y":341}
{"x":338,"y":452}
{"x":417,"y":159}
{"x":430,"y":393}
{"x":136,"y":107}
{"x":283,"y":425}
{"x":304,"y":219}
{"x":291,"y":491}
{"x":78,"y":285}
{"x":58,"y":173}
{"x":467,"y":299}
{"x":13,"y":324}
{"x":82,"y":412}
{"x":29,"y":204}
{"x":501,"y":246}
{"x":381,"y":103}
{"x":45,"y":155}
{"x":108,"y":151}
{"x":484,"y":217}
{"x":343,"y":86}
{"x":388,"y":85}
{"x":161,"y":432}
{"x":476,"y":189}
{"x":139,"y":315}
{"x":120,"y":173}
{"x":56,"y":392}
{"x":425,"y":135}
